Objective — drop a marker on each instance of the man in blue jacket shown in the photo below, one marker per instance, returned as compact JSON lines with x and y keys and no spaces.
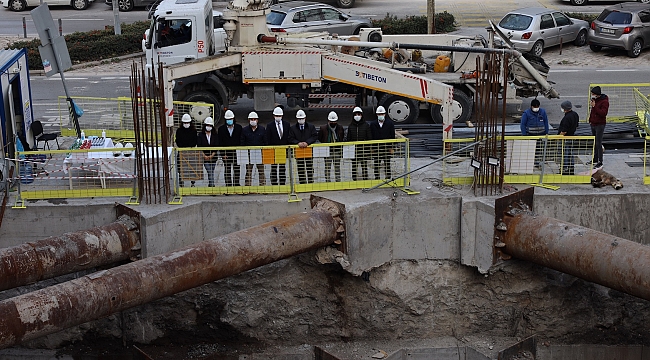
{"x":534,"y":122}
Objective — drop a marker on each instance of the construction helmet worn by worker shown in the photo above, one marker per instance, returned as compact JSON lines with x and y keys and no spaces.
{"x":332,"y":116}
{"x":380,"y":110}
{"x":357,"y":110}
{"x":208,"y":121}
{"x":300,"y":114}
{"x":278,"y":111}
{"x":253,"y":115}
{"x":186,"y":118}
{"x":229,"y":115}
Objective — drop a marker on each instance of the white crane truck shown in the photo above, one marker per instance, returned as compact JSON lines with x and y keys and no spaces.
{"x":308,"y":68}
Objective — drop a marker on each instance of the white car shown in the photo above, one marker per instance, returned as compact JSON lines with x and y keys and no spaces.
{"x":584,"y":2}
{"x":20,"y":5}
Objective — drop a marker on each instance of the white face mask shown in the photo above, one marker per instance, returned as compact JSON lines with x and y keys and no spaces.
{"x":381,"y":118}
{"x":593,"y":97}
{"x":186,"y":125}
{"x":278,"y":119}
{"x":535,"y":109}
{"x":253,"y":123}
{"x":357,"y":117}
{"x":301,"y":121}
{"x":209,"y":128}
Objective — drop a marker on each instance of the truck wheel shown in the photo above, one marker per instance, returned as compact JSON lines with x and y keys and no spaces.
{"x":209,"y":98}
{"x":400,"y":109}
{"x":345,"y":4}
{"x":461,"y":109}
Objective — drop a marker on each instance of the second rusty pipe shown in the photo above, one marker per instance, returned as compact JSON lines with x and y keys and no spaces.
{"x":59,"y":255}
{"x":604,"y":259}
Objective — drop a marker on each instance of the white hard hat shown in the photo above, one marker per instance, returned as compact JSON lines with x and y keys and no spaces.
{"x":186,"y":118}
{"x":300,"y":114}
{"x":253,"y":115}
{"x":208,"y":121}
{"x":332,"y":116}
{"x":128,"y":152}
{"x":117,"y":146}
{"x":380,"y":110}
{"x":357,"y":109}
{"x":278,"y":111}
{"x":229,"y":115}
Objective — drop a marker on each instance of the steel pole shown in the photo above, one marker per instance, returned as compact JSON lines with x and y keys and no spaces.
{"x":100,"y":294}
{"x":604,"y":259}
{"x":58,"y":255}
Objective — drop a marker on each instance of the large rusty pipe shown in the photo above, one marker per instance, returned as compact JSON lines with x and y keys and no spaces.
{"x":604,"y":259}
{"x":58,"y":255}
{"x":100,"y":294}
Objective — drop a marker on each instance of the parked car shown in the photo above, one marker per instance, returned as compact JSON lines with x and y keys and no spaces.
{"x":535,"y":29}
{"x":345,"y":4}
{"x":128,"y":5}
{"x":584,"y":2}
{"x":20,"y":5}
{"x":622,"y":26}
{"x":303,"y":16}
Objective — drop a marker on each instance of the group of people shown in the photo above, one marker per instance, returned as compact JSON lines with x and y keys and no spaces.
{"x":534,"y":121}
{"x":280,"y":132}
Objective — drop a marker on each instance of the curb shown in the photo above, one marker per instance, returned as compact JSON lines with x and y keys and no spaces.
{"x":92,"y":63}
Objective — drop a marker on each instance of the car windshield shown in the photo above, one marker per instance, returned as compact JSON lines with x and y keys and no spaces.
{"x":275,"y":18}
{"x":516,"y":22}
{"x":615,"y":17}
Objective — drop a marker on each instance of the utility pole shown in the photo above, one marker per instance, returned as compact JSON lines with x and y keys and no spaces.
{"x":431,"y":16}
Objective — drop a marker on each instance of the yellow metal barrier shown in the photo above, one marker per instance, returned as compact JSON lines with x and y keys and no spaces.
{"x":622,"y":103}
{"x":646,"y":171}
{"x":115,"y":116}
{"x":551,"y":159}
{"x":642,"y":103}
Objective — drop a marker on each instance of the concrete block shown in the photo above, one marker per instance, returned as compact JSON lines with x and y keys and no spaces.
{"x":477,"y":231}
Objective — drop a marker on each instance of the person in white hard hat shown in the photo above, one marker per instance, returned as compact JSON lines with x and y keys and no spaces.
{"x":230,"y":136}
{"x":332,"y":132}
{"x":303,"y":134}
{"x":208,"y":138}
{"x":254,"y":135}
{"x":382,"y":129}
{"x":185,"y":138}
{"x":359,"y":130}
{"x":277,"y":134}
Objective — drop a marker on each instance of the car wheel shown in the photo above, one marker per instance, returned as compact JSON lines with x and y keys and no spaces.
{"x":595,"y":48}
{"x":79,"y":4}
{"x":208,"y":98}
{"x":400,"y":109}
{"x":17,"y":5}
{"x":538,"y":48}
{"x":578,"y":2}
{"x":635,"y":51}
{"x":461,"y":109}
{"x":345,"y":4}
{"x":125,"y":5}
{"x":645,"y":1}
{"x":581,"y":39}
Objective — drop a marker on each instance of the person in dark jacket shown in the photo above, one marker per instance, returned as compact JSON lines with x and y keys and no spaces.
{"x":568,"y":126}
{"x":598,"y":120}
{"x":208,"y":138}
{"x":382,"y":129}
{"x":332,"y":132}
{"x":534,"y":121}
{"x":185,"y":138}
{"x":230,"y":136}
{"x":277,"y":134}
{"x":254,"y":135}
{"x":359,"y":130}
{"x":303,"y":134}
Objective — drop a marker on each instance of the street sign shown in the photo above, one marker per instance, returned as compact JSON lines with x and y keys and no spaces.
{"x":53,"y":50}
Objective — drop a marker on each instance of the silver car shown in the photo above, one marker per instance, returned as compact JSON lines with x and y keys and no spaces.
{"x":20,"y":5}
{"x":584,"y":2}
{"x":303,"y":16}
{"x":534,"y":29}
{"x":623,"y":26}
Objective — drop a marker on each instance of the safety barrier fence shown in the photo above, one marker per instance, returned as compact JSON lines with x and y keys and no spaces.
{"x":552,"y":159}
{"x":114,"y":116}
{"x":623,"y":105}
{"x":642,"y":102}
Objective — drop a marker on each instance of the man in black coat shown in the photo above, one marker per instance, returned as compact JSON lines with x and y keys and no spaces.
{"x":277,"y":134}
{"x":185,"y":138}
{"x":254,"y":135}
{"x":332,"y":132}
{"x":208,"y":138}
{"x":382,"y":129}
{"x":303,"y":134}
{"x":568,"y":126}
{"x":230,"y":136}
{"x":359,"y":130}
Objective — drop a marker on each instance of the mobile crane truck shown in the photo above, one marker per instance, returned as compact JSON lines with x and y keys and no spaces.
{"x":308,"y":68}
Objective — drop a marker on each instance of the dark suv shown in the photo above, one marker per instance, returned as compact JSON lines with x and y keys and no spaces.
{"x":623,"y":26}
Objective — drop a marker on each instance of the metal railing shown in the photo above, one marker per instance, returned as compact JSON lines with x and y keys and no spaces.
{"x":622,"y":101}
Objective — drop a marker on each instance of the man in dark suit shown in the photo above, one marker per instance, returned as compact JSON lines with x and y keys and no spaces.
{"x":230,"y":135}
{"x":382,"y":129}
{"x":303,"y":134}
{"x":277,"y":134}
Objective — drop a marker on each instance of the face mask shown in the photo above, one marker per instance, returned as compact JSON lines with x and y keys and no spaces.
{"x":593,"y":97}
{"x":208,"y":128}
{"x":230,"y":122}
{"x":563,"y":110}
{"x":381,"y":117}
{"x":278,"y":119}
{"x":333,"y":125}
{"x":535,"y":109}
{"x":357,"y":117}
{"x":253,"y":123}
{"x":186,"y":125}
{"x":301,"y":121}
